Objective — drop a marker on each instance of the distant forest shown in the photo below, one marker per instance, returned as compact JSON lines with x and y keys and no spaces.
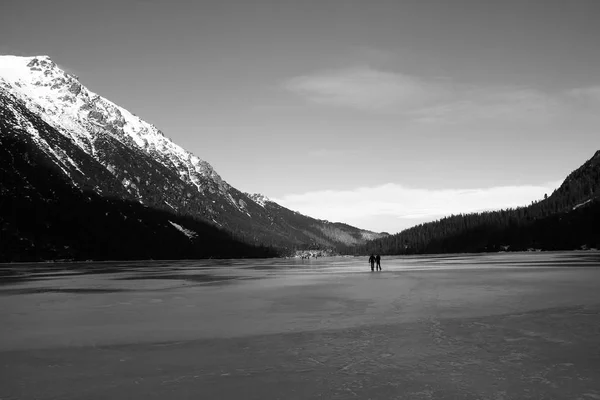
{"x":568,"y":219}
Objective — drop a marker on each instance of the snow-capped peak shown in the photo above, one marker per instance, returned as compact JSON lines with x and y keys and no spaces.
{"x":15,"y":68}
{"x":82,"y":115}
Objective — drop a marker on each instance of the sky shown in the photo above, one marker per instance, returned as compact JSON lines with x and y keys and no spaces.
{"x":380,"y":114}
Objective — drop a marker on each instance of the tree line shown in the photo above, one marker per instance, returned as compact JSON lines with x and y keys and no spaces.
{"x":567,"y":219}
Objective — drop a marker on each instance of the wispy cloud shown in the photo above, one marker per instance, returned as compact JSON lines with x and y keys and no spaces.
{"x":393,"y":207}
{"x":491,"y":103}
{"x":432,"y":100}
{"x":365,"y":88}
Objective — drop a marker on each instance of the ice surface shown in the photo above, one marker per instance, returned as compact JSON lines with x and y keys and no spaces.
{"x":510,"y":326}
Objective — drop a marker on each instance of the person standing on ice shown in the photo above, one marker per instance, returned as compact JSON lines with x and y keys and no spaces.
{"x":372,"y":262}
{"x":378,"y":260}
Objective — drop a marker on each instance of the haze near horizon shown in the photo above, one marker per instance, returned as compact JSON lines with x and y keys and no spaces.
{"x":380,"y":114}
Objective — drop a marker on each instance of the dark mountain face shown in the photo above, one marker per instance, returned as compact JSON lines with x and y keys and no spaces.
{"x":54,"y":125}
{"x":43,"y":216}
{"x":567,"y":219}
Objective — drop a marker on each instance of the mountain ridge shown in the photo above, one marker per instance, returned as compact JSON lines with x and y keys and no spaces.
{"x":103,"y":148}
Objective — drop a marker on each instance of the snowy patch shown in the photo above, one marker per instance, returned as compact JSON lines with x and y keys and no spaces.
{"x":28,"y":126}
{"x":582,"y":204}
{"x":370,"y":235}
{"x":49,"y":150}
{"x":189,"y":233}
{"x":74,"y":164}
{"x":258,"y":198}
{"x":232,"y":201}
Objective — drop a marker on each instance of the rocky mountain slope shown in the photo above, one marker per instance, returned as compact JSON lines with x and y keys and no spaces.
{"x":44,"y":217}
{"x":102,"y":149}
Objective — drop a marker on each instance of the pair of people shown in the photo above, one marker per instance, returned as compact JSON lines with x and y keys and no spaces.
{"x":375,"y":259}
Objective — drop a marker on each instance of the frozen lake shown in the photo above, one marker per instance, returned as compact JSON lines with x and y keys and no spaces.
{"x":491,"y":326}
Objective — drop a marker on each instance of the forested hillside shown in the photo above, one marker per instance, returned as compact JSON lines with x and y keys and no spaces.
{"x":567,"y":219}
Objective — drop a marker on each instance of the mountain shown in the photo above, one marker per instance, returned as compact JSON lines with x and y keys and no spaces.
{"x":44,"y":217}
{"x":567,"y":219}
{"x":103,"y":152}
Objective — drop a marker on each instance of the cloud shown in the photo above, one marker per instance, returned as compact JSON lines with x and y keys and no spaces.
{"x":508,"y":104}
{"x":365,"y":88}
{"x":392,"y":207}
{"x":435,"y":100}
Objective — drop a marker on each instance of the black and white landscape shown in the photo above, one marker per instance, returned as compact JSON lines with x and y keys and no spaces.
{"x":104,"y":184}
{"x":273,"y":199}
